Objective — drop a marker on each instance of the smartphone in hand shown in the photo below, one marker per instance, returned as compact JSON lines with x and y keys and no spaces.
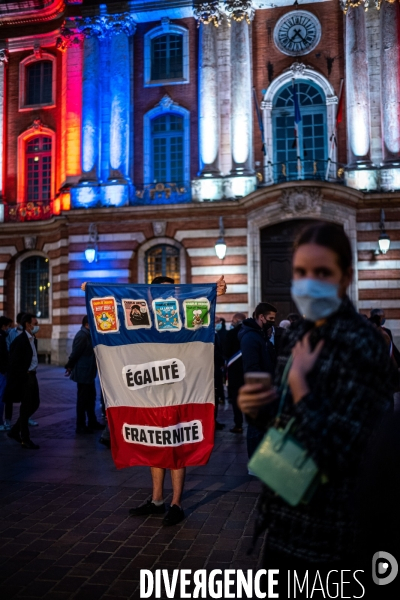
{"x":260,"y":377}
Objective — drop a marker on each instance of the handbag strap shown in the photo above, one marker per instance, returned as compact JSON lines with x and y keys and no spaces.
{"x":284,"y":386}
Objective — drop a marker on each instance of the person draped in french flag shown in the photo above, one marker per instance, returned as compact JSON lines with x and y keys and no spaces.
{"x":157,"y":378}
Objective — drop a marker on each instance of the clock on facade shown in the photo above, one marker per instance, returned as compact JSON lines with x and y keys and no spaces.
{"x":297,"y":33}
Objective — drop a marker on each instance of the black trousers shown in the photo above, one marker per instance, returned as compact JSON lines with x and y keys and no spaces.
{"x":29,"y":404}
{"x":237,"y":413}
{"x":85,"y":404}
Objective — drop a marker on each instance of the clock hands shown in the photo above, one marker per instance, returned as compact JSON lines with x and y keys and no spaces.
{"x":296,"y":35}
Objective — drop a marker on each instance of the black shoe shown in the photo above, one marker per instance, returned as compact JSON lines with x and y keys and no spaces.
{"x":147,"y":509}
{"x":96,"y":426}
{"x":83,"y":430}
{"x":14,"y":435}
{"x":105,"y":443}
{"x":219,"y":426}
{"x":174,"y":516}
{"x":236,"y":430}
{"x":29,"y":445}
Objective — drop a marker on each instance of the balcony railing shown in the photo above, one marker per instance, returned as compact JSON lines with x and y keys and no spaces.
{"x":305,"y":169}
{"x":162,"y":193}
{"x":28,"y":211}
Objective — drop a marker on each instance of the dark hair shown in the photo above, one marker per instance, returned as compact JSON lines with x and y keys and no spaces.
{"x":294,"y":317}
{"x":376,"y":312}
{"x":19,"y":317}
{"x":328,"y":235}
{"x":263,"y":308}
{"x":162,"y":279}
{"x":85,"y":320}
{"x":5,"y":321}
{"x":27,"y":318}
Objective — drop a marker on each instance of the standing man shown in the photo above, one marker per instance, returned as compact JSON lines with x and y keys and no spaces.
{"x":81,"y":367}
{"x":380,"y":314}
{"x":5,"y":323}
{"x":22,"y":382}
{"x":235,"y":369}
{"x":15,"y":331}
{"x":156,"y":505}
{"x":258,"y":356}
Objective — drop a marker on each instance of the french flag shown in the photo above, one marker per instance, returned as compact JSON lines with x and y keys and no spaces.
{"x":154,"y":346}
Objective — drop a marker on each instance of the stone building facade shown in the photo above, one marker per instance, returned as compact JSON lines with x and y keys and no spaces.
{"x":132,"y":131}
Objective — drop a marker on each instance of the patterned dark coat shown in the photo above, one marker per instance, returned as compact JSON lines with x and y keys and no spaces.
{"x":352,"y":386}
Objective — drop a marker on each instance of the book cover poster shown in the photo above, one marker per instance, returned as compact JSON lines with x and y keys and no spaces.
{"x":166,"y":314}
{"x":136,"y":314}
{"x":197,"y":313}
{"x":105,"y":314}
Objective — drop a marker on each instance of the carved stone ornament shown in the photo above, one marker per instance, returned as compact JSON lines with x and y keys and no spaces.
{"x":30,"y":242}
{"x":159,"y":228}
{"x":239,"y":10}
{"x":37,"y":124}
{"x":208,"y":12}
{"x":104,"y":26}
{"x":301,"y":201}
{"x":37,"y":51}
{"x":4,"y":56}
{"x":165,"y":24}
{"x":346,"y":4}
{"x":69,"y":36}
{"x":166,"y":102}
{"x":298,"y":69}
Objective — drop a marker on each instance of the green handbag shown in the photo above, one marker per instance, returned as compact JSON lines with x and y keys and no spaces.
{"x":282,"y":463}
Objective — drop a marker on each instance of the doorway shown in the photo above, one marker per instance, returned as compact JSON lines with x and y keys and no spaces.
{"x":276,"y":264}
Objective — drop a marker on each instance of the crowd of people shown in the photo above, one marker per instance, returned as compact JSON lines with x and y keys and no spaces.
{"x":333,"y":371}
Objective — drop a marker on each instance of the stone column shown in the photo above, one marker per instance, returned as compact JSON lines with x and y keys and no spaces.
{"x":3,"y":62}
{"x":357,"y":90}
{"x":390,"y":81}
{"x":120,"y":92}
{"x":208,"y":101}
{"x":90,"y":108}
{"x":241,"y":94}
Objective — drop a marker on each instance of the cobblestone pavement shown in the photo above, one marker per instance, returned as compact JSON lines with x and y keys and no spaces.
{"x":64,"y":526}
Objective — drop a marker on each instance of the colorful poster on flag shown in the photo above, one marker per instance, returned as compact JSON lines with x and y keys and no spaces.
{"x":197,"y":313}
{"x":105,"y":314}
{"x":157,"y":379}
{"x":136,"y":313}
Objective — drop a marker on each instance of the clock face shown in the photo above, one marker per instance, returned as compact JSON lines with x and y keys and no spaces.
{"x":297,"y":33}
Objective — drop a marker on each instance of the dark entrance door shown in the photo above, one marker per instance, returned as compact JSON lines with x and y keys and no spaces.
{"x":276,"y":264}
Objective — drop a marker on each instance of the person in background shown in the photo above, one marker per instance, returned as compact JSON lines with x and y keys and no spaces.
{"x":377,"y":316}
{"x":285,"y":324}
{"x":82,"y":368}
{"x":294,"y":318}
{"x":257,"y":355}
{"x":22,"y":385}
{"x":219,"y":364}
{"x":221,"y":331}
{"x":15,"y":331}
{"x":235,"y":369}
{"x":5,"y":323}
{"x":340,"y":386}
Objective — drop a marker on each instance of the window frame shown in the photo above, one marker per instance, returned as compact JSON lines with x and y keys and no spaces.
{"x":167,"y":136}
{"x":25,"y":137}
{"x":166,"y":28}
{"x":160,"y":241}
{"x":23,"y":81}
{"x":18,"y":283}
{"x":164,"y":248}
{"x":165,"y":106}
{"x":306,"y":110}
{"x":42,"y":154}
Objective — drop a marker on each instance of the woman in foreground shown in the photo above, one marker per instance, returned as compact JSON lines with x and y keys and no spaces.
{"x":340,"y":384}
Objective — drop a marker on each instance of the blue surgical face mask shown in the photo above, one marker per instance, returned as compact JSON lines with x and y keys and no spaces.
{"x":35,"y":329}
{"x":315,"y":299}
{"x":383,"y":321}
{"x":218,"y":327}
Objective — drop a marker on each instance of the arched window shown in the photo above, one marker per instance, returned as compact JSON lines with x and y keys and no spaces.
{"x":168,"y":148}
{"x":312,"y":128}
{"x":162,"y":260}
{"x":35,"y":286}
{"x":39,"y":83}
{"x":167,"y":57}
{"x":38,"y":169}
